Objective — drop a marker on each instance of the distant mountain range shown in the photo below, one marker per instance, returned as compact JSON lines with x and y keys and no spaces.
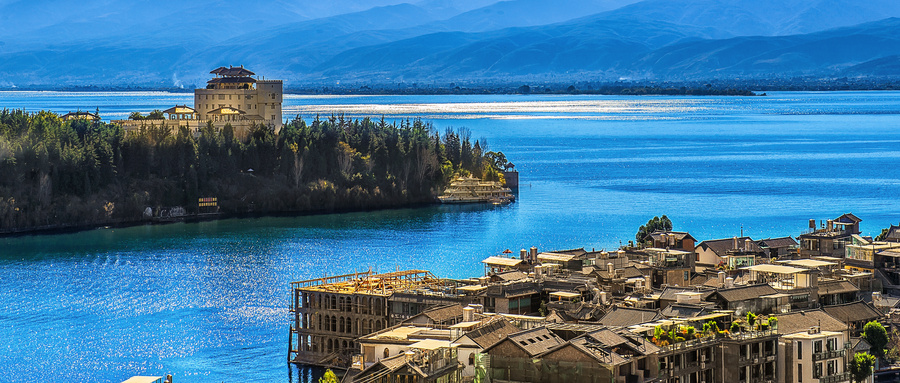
{"x":310,"y":43}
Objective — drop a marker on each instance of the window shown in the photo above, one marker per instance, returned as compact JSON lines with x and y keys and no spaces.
{"x":471,"y":358}
{"x":832,"y":367}
{"x":832,"y":344}
{"x":799,"y":350}
{"x":221,"y":97}
{"x":799,"y":372}
{"x":817,"y":346}
{"x":817,"y":370}
{"x":387,"y":352}
{"x":687,"y":276}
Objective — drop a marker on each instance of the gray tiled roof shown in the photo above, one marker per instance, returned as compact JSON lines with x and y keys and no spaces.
{"x":837,"y":287}
{"x":774,"y":243}
{"x":743,"y":293}
{"x":794,"y":322}
{"x":853,"y":312}
{"x":492,"y":332}
{"x":535,"y":341}
{"x":625,"y":316}
{"x":721,"y":246}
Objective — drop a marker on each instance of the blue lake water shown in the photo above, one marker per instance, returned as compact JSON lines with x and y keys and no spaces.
{"x":208,"y":302}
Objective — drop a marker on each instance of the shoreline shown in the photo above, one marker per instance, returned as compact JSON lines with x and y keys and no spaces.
{"x":43,"y":231}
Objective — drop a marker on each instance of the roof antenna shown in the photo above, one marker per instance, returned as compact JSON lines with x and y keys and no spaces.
{"x":742,"y":230}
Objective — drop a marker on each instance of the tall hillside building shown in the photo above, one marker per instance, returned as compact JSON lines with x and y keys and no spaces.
{"x":235,"y":96}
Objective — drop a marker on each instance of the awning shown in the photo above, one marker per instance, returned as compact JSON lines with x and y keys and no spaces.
{"x":777,"y":269}
{"x":809,"y":263}
{"x":564,"y":294}
{"x":501,"y":261}
{"x":553,"y":257}
{"x":430,"y":344}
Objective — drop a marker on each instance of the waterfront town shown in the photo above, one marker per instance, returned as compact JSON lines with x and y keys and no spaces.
{"x":813,"y":306}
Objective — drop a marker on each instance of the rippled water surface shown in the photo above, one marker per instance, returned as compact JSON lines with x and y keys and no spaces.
{"x":208,"y":302}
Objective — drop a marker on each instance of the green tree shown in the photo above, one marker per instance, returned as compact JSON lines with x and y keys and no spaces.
{"x":876,"y":335}
{"x":861,"y":366}
{"x":656,"y":223}
{"x":329,"y":377}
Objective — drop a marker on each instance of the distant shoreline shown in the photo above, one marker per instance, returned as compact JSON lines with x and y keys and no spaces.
{"x":612,"y":88}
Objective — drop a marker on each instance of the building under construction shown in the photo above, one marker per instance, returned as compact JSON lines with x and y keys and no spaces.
{"x":331,"y":313}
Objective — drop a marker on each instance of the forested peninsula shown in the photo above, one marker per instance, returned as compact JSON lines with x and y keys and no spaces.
{"x":57,"y":174}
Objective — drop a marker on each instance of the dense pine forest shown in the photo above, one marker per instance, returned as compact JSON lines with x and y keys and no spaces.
{"x":59,"y":174}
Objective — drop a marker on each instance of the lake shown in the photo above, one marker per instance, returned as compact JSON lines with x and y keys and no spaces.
{"x":208,"y":301}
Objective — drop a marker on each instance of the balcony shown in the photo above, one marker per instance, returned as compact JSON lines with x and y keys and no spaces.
{"x":842,"y":377}
{"x":818,"y":356}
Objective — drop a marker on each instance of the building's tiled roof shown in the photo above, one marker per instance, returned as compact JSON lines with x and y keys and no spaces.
{"x":580,"y":251}
{"x":231,"y":80}
{"x":699,"y":279}
{"x":853,"y":312}
{"x":776,"y":243}
{"x":837,"y":287}
{"x":679,"y":235}
{"x":609,"y":347}
{"x":626,"y":316}
{"x":848,"y":218}
{"x":232,"y":71}
{"x":535,"y":341}
{"x":798,"y":321}
{"x":721,"y":246}
{"x":492,"y":331}
{"x":859,"y":345}
{"x":627,"y":272}
{"x":680,"y":310}
{"x":893,"y":233}
{"x":444,"y":313}
{"x":743,"y":293}
{"x":511,"y":276}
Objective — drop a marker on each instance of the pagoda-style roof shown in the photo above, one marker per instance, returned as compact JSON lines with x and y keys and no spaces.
{"x":180,"y":109}
{"x":74,"y":115}
{"x":226,"y":111}
{"x":232,"y":71}
{"x":232,"y":80}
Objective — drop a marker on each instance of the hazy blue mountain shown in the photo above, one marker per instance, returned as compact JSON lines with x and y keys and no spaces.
{"x":761,"y":17}
{"x":524,"y":13}
{"x":54,"y":42}
{"x":868,"y":45}
{"x":589,"y":44}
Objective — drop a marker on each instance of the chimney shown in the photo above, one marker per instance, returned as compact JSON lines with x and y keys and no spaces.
{"x":596,"y":293}
{"x":538,"y":272}
{"x":523,"y":254}
{"x":735,"y":243}
{"x":812,"y":224}
{"x":603,"y":297}
{"x":469,"y":314}
{"x":747,"y":244}
{"x":534,"y":253}
{"x":721,"y":279}
{"x":610,"y":269}
{"x":876,"y":296}
{"x":729,"y":282}
{"x":829,"y":225}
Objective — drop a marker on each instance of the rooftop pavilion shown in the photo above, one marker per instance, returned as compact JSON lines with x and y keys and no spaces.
{"x":231,"y":78}
{"x":782,"y":277}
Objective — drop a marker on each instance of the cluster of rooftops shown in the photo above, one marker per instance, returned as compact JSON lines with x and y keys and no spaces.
{"x":608,"y":305}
